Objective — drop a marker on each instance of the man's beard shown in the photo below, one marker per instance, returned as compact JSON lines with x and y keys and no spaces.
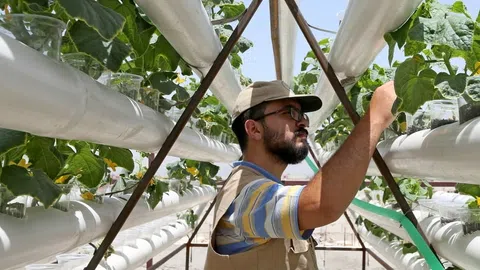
{"x":284,"y":150}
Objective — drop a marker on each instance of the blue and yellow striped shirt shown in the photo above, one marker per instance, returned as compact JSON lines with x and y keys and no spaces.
{"x":264,"y":209}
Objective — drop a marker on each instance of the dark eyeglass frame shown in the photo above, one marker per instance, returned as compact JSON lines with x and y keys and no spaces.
{"x":291,"y":110}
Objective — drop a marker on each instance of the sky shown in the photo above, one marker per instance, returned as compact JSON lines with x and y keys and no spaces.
{"x":259,"y":63}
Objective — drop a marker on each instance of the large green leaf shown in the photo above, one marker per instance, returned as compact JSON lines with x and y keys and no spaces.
{"x":37,"y":184}
{"x":106,"y":21}
{"x":444,"y":28}
{"x":10,"y":139}
{"x":232,"y":10}
{"x":473,"y":87}
{"x":162,"y":81}
{"x":122,"y":157}
{"x":414,"y":85}
{"x":156,"y":193}
{"x":88,"y":168}
{"x":110,"y":53}
{"x":451,"y":86}
{"x":43,"y":155}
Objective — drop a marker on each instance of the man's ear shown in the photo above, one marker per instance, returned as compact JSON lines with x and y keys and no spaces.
{"x":253,"y":129}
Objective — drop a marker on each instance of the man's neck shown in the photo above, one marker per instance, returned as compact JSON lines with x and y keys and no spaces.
{"x":267,"y":162}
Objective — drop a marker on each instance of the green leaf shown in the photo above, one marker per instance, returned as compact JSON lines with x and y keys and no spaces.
{"x":236,"y":60}
{"x":165,"y":49}
{"x":139,"y":40}
{"x":216,"y":130}
{"x":409,"y":248}
{"x":156,"y":193}
{"x":162,"y":81}
{"x":10,"y":139}
{"x":38,"y":185}
{"x":107,"y":22}
{"x":43,"y":155}
{"x":473,"y":87}
{"x":391,"y":47}
{"x":122,"y":157}
{"x":469,"y":189}
{"x":182,"y":94}
{"x":451,"y":29}
{"x":88,"y":168}
{"x":451,"y":86}
{"x":412,"y":86}
{"x":111,"y":54}
{"x":232,"y":10}
{"x":459,"y":7}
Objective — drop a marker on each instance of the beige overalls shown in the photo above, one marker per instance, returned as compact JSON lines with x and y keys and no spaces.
{"x":276,"y":254}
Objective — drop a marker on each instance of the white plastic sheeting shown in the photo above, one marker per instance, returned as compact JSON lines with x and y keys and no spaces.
{"x":185,"y":24}
{"x":288,"y":40}
{"x":393,"y":253}
{"x":49,"y":98}
{"x":358,"y":41}
{"x":84,"y":222}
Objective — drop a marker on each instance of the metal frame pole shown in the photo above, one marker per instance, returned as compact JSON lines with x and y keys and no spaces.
{"x":364,"y":249}
{"x":174,"y":134}
{"x":342,"y":95}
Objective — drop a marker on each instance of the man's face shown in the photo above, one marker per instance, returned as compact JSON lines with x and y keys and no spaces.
{"x":284,"y":137}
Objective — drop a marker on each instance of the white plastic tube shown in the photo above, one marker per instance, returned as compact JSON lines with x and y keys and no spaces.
{"x":358,"y":41}
{"x":448,"y":240}
{"x":49,"y":98}
{"x":21,"y":240}
{"x":288,"y":40}
{"x":448,"y":153}
{"x":185,"y":24}
{"x":393,"y":253}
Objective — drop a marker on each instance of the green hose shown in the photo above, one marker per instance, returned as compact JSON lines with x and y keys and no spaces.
{"x":417,"y":239}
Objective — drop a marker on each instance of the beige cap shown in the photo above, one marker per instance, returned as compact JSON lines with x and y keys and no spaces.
{"x":259,"y":92}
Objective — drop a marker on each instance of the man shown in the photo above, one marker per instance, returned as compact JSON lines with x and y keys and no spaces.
{"x":261,"y":224}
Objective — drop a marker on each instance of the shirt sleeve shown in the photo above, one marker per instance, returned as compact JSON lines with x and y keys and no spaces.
{"x":268,"y":209}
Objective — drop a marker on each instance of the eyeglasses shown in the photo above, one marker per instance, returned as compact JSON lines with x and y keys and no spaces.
{"x":294,"y":113}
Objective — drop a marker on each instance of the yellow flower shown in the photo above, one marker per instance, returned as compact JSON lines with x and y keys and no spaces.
{"x":403,"y":126}
{"x":22,"y":163}
{"x":152,"y":182}
{"x":110,"y":163}
{"x":193,"y":171}
{"x":179,"y":79}
{"x":88,"y":196}
{"x":61,"y":179}
{"x":478,"y":201}
{"x":477,"y":68}
{"x":139,"y":175}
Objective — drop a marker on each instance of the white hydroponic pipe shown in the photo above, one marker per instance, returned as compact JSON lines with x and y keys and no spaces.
{"x":448,"y":153}
{"x":21,"y":241}
{"x":358,"y":41}
{"x":131,"y":258}
{"x":50,"y":98}
{"x":288,"y":40}
{"x":393,"y":253}
{"x":185,"y":24}
{"x":449,"y":240}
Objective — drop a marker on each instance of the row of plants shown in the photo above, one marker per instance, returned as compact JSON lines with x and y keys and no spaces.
{"x":114,"y":43}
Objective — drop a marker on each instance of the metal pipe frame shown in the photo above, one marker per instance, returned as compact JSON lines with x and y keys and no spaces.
{"x":342,"y":95}
{"x":192,"y":105}
{"x":275,"y":35}
{"x":174,"y":134}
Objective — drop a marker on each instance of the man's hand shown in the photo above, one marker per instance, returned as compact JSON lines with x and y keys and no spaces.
{"x":381,"y":105}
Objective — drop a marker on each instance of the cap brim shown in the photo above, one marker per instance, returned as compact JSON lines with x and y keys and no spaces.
{"x":309,"y":103}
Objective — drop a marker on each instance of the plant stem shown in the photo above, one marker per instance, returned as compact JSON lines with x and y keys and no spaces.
{"x":449,"y":66}
{"x":119,"y":191}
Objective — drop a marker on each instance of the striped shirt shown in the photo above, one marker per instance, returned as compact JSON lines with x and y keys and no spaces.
{"x":264,"y":209}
